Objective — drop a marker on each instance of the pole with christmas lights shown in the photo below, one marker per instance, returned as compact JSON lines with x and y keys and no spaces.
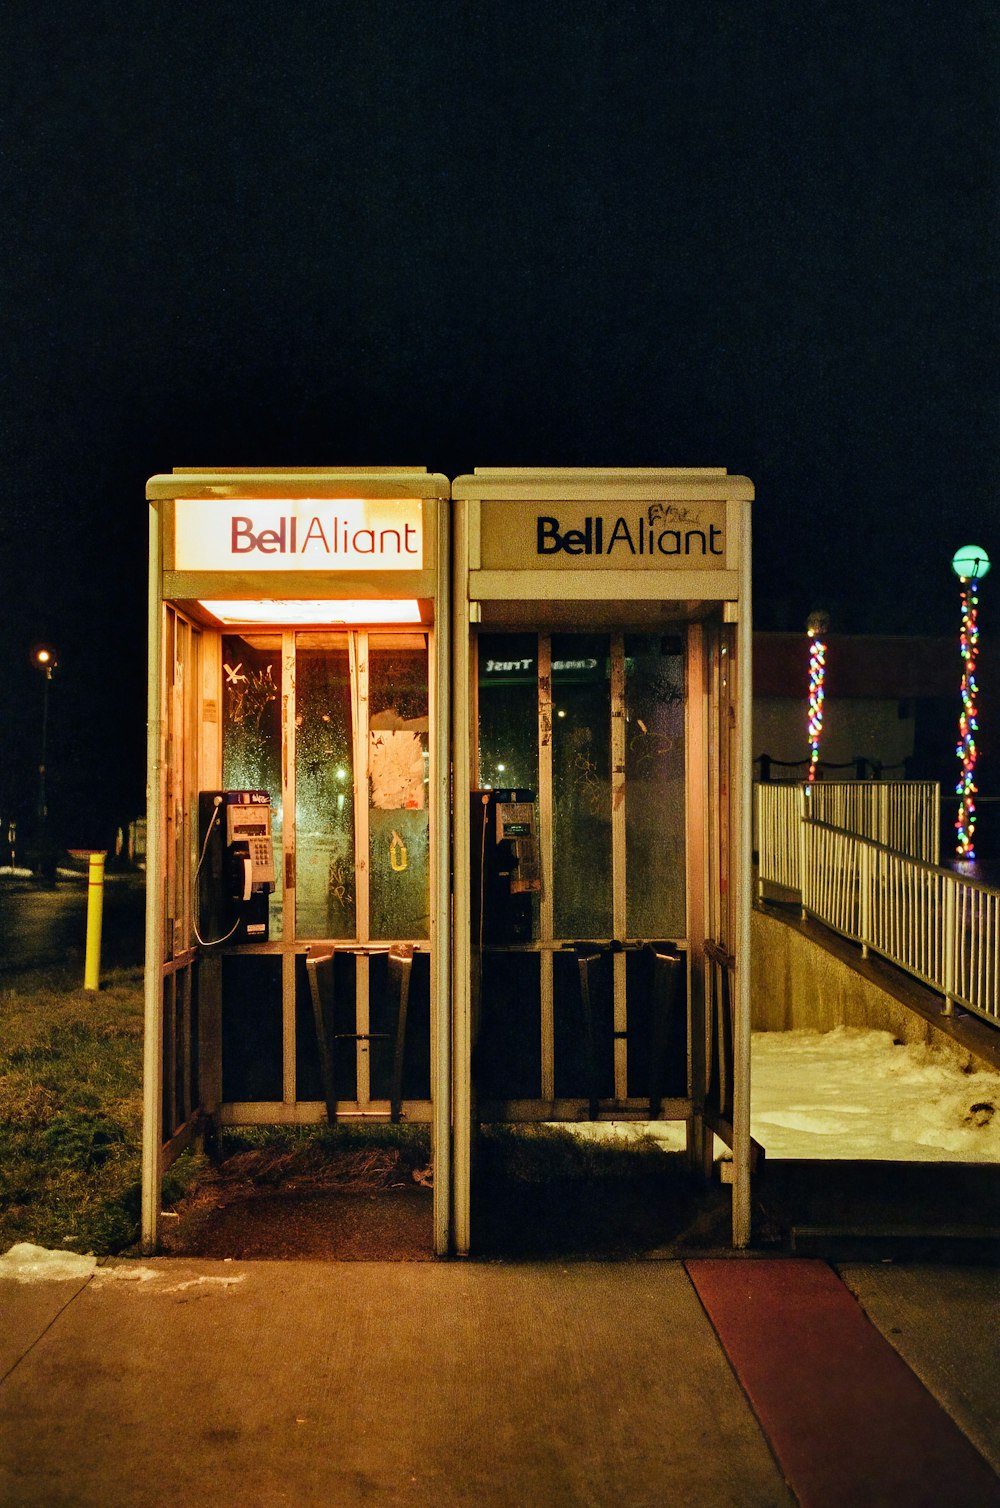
{"x":816,"y":628}
{"x":970,"y":565}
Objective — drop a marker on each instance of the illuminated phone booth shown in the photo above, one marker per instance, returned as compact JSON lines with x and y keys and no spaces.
{"x":601,"y":727}
{"x":298,"y":944}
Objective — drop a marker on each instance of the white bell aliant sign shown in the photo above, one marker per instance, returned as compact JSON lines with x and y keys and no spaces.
{"x":280,"y":534}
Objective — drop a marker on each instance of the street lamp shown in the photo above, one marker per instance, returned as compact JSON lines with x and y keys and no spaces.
{"x":970,"y":565}
{"x":43,"y":656}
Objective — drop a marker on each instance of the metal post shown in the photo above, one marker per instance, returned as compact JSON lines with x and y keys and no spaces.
{"x":865,"y":896}
{"x":743,"y":872}
{"x":95,"y":916}
{"x":441,"y":881}
{"x":700,"y":1140}
{"x":43,"y":808}
{"x":45,"y":659}
{"x":950,"y":950}
{"x":461,"y":861}
{"x":805,"y":792}
{"x":152,"y":1095}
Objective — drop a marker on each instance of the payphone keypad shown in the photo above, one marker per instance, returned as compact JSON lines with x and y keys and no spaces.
{"x":260,"y":853}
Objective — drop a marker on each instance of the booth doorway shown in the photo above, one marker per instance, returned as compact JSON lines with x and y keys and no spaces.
{"x":335,"y":725}
{"x":328,"y":1019}
{"x":298,"y":928}
{"x":583,"y":1005}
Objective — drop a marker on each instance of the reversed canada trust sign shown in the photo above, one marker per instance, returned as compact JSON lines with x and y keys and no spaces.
{"x":591,"y":536}
{"x":375,"y":534}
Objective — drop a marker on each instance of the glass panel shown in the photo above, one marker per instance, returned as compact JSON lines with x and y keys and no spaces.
{"x":324,"y":788}
{"x":169,"y":814}
{"x":398,"y":780}
{"x":729,"y":714}
{"x":192,"y":730}
{"x":251,"y":732}
{"x":581,"y":785}
{"x":508,"y":711}
{"x":654,"y":787}
{"x":178,"y":794}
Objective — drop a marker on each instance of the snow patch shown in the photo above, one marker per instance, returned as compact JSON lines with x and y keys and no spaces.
{"x":26,"y":1263}
{"x":206,"y":1281}
{"x":124,"y":1275}
{"x":852,"y":1093}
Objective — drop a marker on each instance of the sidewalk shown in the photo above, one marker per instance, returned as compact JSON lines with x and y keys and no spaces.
{"x":489,"y":1384}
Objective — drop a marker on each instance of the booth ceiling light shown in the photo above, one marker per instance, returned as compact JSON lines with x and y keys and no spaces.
{"x":371,"y":610}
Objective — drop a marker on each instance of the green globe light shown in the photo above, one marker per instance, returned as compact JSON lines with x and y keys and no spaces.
{"x":970,"y":561}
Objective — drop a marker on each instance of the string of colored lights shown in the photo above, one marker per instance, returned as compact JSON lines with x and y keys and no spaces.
{"x":817,"y":674}
{"x":968,"y":725}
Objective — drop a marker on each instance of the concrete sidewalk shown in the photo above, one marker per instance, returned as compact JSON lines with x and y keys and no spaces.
{"x":178,"y":1382}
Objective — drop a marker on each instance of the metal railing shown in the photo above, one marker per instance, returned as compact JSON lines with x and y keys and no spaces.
{"x":904,"y":815}
{"x":936,"y":925}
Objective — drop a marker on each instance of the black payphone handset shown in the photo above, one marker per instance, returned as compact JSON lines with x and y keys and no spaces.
{"x":506,"y":870}
{"x":236,"y":867}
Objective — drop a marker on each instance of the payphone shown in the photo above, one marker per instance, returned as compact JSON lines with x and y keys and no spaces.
{"x":505,"y":869}
{"x":236,"y":868}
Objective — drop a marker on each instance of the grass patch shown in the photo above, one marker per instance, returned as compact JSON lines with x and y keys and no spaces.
{"x":71,"y":1112}
{"x":541,"y":1154}
{"x":344,"y":1157}
{"x":544,"y":1191}
{"x":313,"y":1142}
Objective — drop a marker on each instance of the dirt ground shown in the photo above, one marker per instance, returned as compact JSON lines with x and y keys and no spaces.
{"x":376,"y":1205}
{"x":360,"y":1205}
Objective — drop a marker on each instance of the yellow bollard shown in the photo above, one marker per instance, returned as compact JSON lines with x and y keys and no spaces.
{"x":95,"y":915}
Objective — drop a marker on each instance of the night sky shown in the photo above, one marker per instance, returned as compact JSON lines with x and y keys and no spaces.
{"x":761,"y":236}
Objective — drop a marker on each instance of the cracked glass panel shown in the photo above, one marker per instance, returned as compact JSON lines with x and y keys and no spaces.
{"x":508,"y":711}
{"x":324,"y":788}
{"x":581,"y":785}
{"x":654,"y":787}
{"x":251,"y":732}
{"x":398,"y":784}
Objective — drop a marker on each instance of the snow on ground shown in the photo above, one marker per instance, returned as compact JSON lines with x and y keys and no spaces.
{"x":851,"y":1093}
{"x":27,"y":1263}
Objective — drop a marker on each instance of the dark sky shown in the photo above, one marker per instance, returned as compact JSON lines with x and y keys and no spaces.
{"x":762,"y":236}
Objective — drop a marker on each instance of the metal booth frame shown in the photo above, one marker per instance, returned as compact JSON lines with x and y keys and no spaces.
{"x":182,"y":1049}
{"x":501,"y":521}
{"x":473,"y":575}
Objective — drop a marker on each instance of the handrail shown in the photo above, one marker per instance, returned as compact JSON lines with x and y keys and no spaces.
{"x":938,"y":926}
{"x":906,"y":815}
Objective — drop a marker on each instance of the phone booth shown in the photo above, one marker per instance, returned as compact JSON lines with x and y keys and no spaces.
{"x":601,"y":727}
{"x":298,"y":946}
